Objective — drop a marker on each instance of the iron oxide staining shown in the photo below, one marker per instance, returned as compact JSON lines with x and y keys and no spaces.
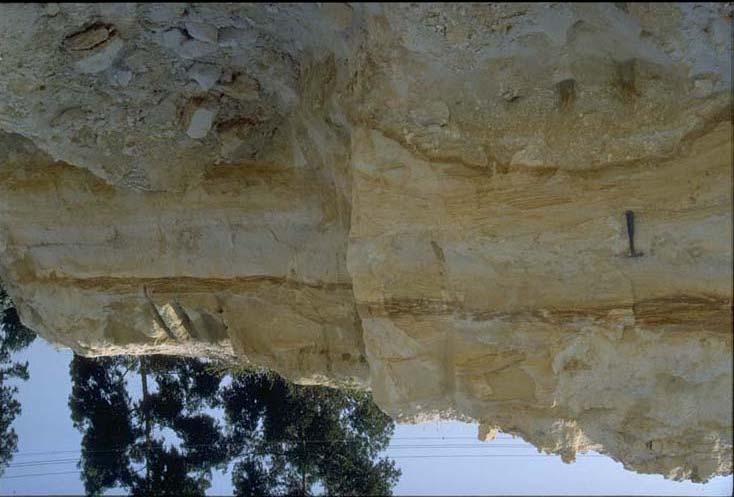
{"x":89,"y":38}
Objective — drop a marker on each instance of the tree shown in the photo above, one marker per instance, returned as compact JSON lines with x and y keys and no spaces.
{"x":185,"y":388}
{"x":291,"y":440}
{"x":13,"y":338}
{"x":120,"y":433}
{"x":101,"y":409}
{"x":283,"y":439}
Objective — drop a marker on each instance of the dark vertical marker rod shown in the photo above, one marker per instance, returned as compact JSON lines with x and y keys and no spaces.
{"x":631,"y":233}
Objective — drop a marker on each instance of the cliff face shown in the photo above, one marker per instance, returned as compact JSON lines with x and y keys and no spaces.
{"x":427,"y":201}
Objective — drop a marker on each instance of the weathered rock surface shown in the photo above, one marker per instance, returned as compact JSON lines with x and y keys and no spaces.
{"x":425,"y":200}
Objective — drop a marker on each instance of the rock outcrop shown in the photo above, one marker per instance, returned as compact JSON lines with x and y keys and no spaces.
{"x":424,"y":200}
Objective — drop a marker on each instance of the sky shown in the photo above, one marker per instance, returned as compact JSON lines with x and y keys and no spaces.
{"x":500,"y":467}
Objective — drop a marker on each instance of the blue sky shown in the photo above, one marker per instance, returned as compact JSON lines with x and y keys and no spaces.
{"x":45,"y":426}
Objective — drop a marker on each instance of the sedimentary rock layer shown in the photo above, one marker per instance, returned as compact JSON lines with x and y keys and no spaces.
{"x":425,"y":200}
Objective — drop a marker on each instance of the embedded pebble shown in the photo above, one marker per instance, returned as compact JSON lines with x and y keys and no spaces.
{"x":173,"y":38}
{"x":200,"y":123}
{"x":702,"y":88}
{"x":165,"y":12}
{"x":202,"y":31}
{"x":233,"y":37}
{"x":434,"y":113}
{"x":122,"y":77}
{"x":193,"y":49}
{"x":241,"y":87}
{"x":100,"y":59}
{"x":509,"y":94}
{"x":52,"y":9}
{"x":206,"y":75}
{"x":88,"y":39}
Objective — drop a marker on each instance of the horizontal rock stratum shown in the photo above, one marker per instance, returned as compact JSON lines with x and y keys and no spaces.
{"x":428,"y":201}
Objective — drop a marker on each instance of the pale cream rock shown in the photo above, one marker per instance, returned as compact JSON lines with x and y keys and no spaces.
{"x":340,"y":14}
{"x":433,"y":113}
{"x":426,"y":201}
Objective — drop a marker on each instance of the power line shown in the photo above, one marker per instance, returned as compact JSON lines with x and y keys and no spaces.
{"x":40,"y":463}
{"x":476,"y":445}
{"x":413,"y":456}
{"x":39,"y":474}
{"x":389,"y":448}
{"x":480,"y":456}
{"x":293,"y":440}
{"x":434,"y":448}
{"x":428,"y":446}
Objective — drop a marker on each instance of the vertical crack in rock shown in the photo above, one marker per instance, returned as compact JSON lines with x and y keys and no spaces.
{"x":162,"y":324}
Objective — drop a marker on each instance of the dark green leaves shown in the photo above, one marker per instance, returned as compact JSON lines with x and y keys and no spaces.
{"x":277,"y":438}
{"x":13,"y":338}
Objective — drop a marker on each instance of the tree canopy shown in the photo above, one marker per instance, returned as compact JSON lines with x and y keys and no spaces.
{"x":13,"y":338}
{"x":166,"y":437}
{"x":292,"y":440}
{"x":124,"y":442}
